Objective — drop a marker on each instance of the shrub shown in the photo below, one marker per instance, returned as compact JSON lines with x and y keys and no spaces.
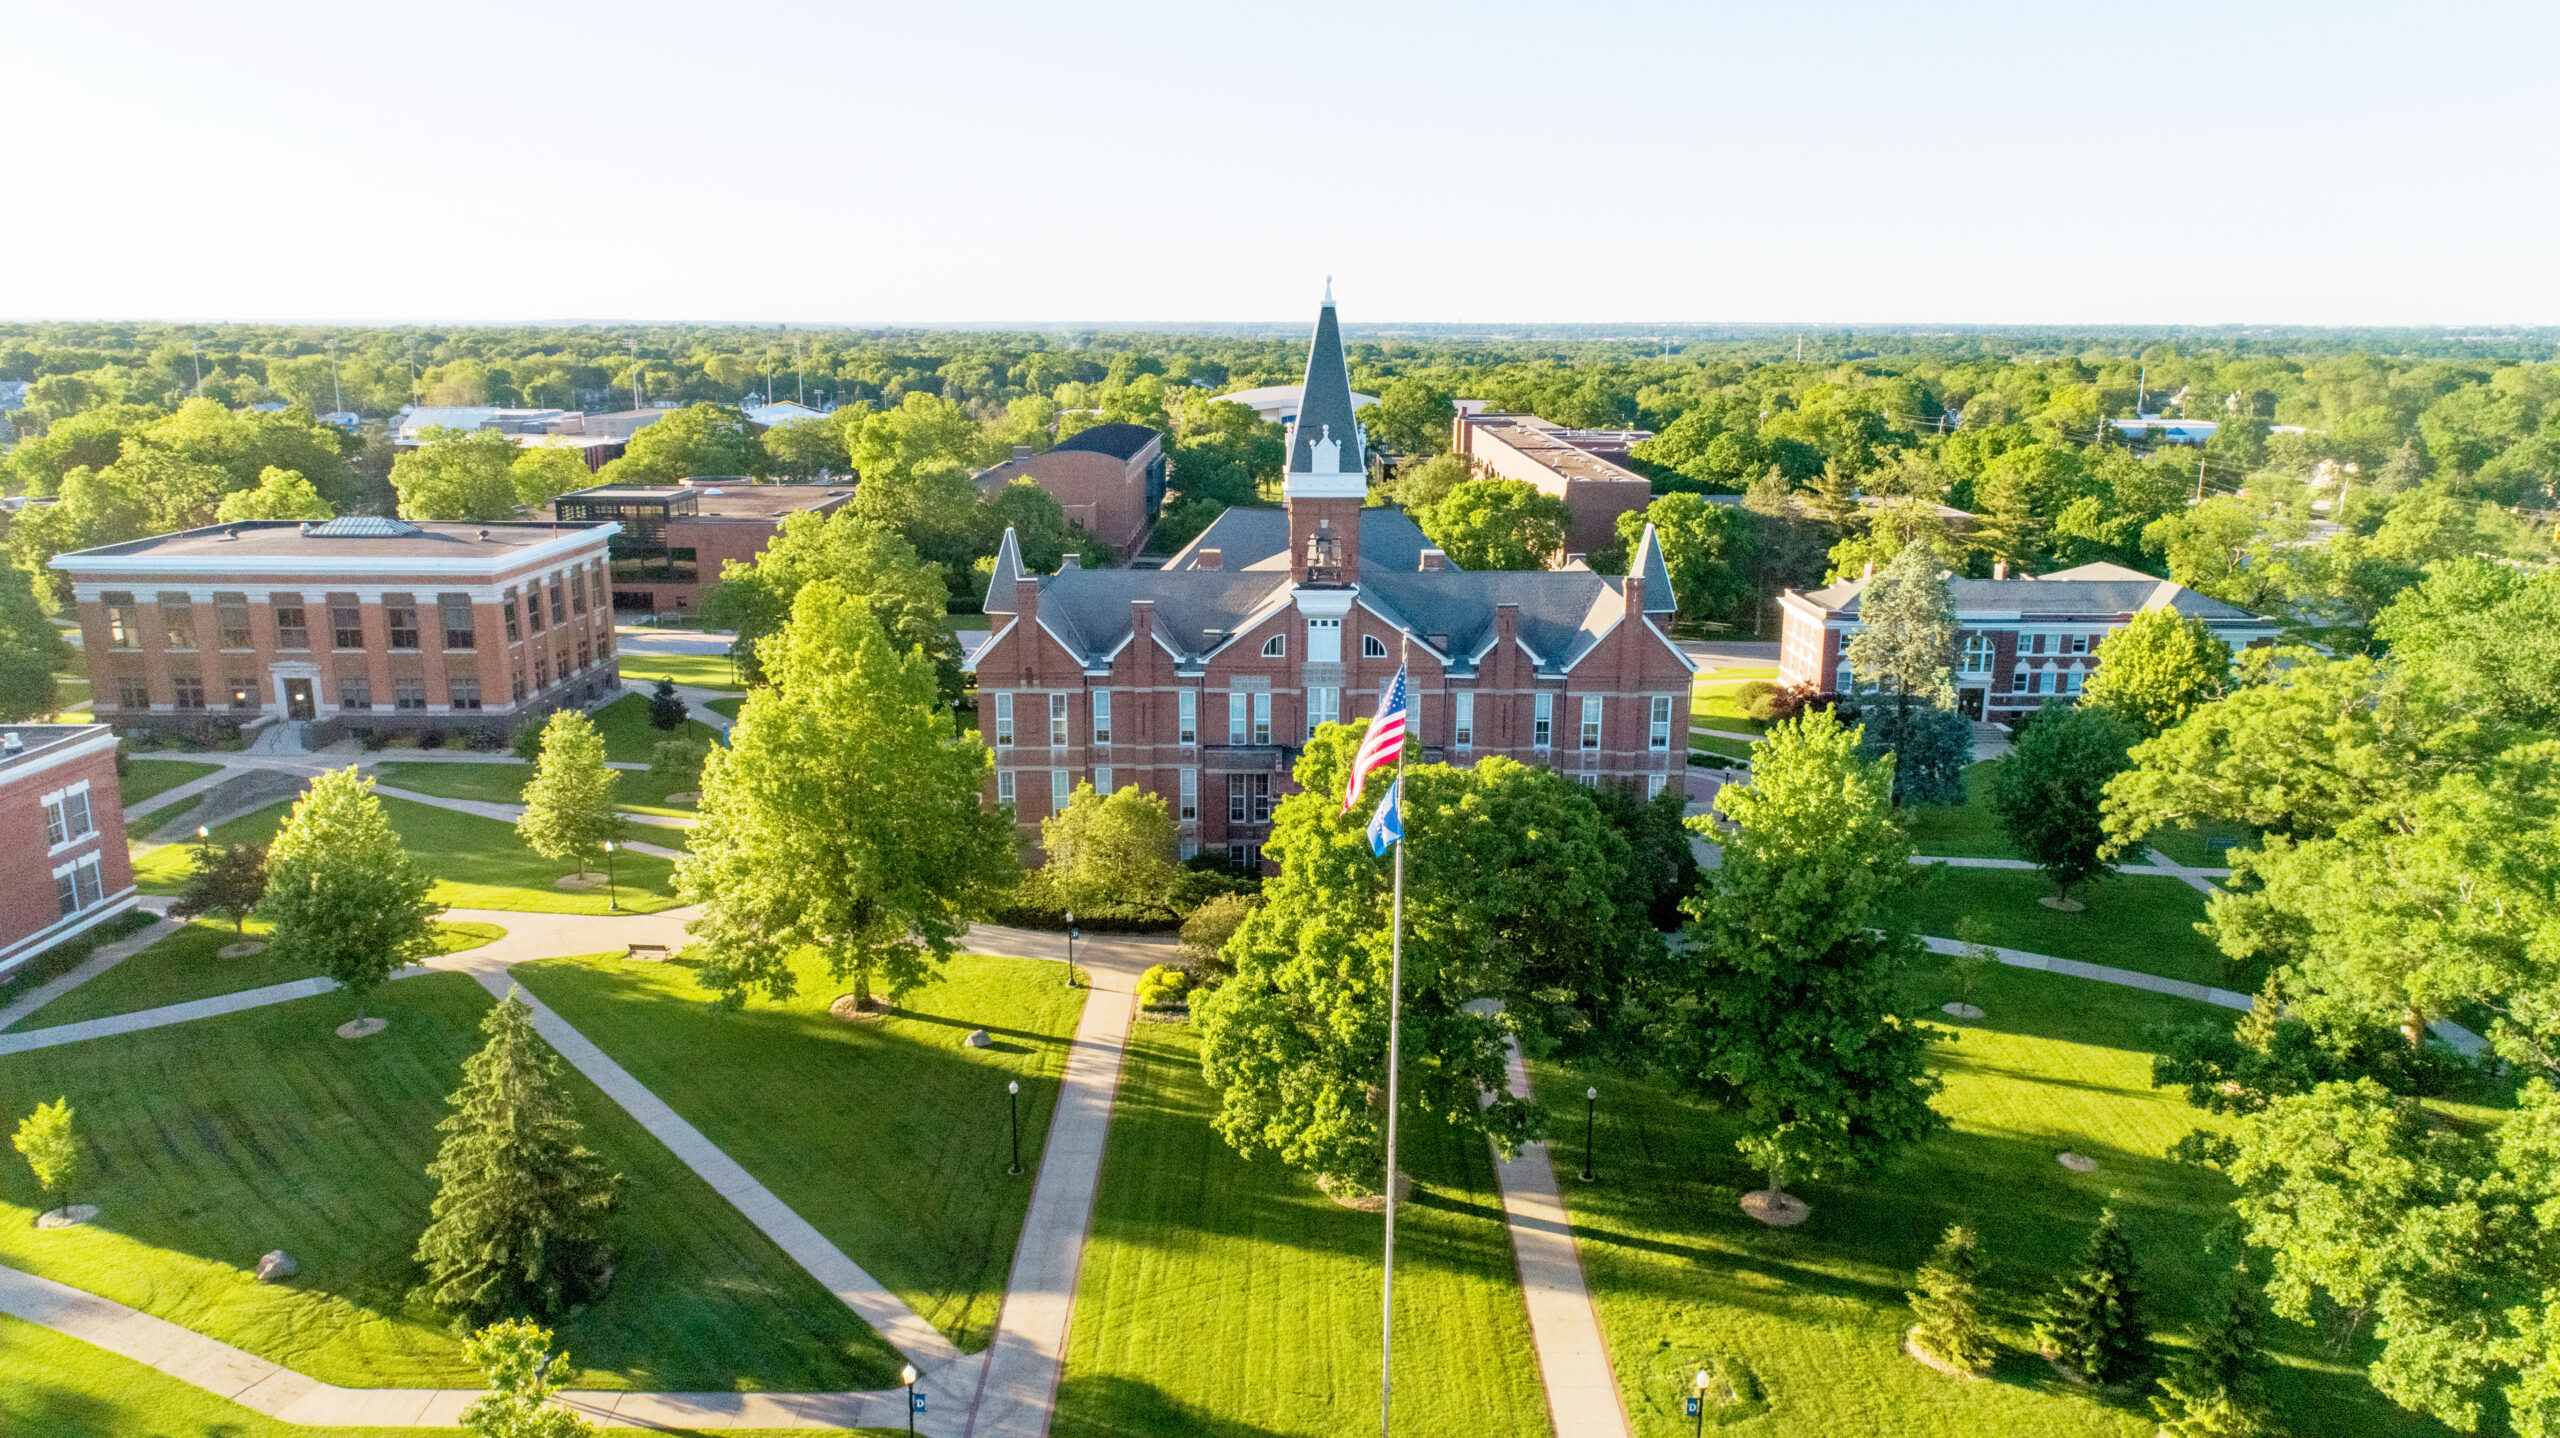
{"x":1205,"y":934}
{"x":527,"y":743}
{"x":488,"y":739}
{"x":1792,"y":701}
{"x":680,"y":759}
{"x":1163,"y":987}
{"x":431,"y":739}
{"x":373,"y":738}
{"x":1759,"y":699}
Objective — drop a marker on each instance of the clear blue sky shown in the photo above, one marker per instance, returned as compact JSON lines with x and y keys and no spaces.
{"x":1102,"y":161}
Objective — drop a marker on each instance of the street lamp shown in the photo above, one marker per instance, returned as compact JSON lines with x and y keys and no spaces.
{"x":1013,"y":1101}
{"x":907,"y":1375}
{"x":613,"y":899}
{"x":1697,"y":1400}
{"x":1590,"y":1107}
{"x":1071,"y":948}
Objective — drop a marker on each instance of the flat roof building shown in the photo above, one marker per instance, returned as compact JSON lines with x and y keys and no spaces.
{"x":63,"y":864}
{"x":1578,"y":466}
{"x":1279,"y":403}
{"x":671,"y":540}
{"x":357,"y":622}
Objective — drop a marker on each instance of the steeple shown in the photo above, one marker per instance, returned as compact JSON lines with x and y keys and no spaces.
{"x":1327,"y":458}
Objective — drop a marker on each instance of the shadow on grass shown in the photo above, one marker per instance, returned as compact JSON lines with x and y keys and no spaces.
{"x":60,"y":1412}
{"x":1110,"y":1406}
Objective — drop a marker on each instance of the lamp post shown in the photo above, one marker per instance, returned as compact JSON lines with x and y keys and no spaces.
{"x":1071,"y":948}
{"x":613,"y":899}
{"x":1697,"y":1399}
{"x":1590,"y":1108}
{"x":907,"y":1375}
{"x":1013,"y":1101}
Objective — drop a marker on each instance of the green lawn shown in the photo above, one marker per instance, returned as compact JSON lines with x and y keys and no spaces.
{"x":729,"y":707}
{"x":2139,"y":923}
{"x":1960,"y":831}
{"x":629,"y":737}
{"x":504,"y":874}
{"x":143,"y":778}
{"x":1711,"y":703}
{"x":218,"y":1140}
{"x":1231,"y":1298}
{"x":694,"y":671}
{"x":1729,"y":748}
{"x":889,"y":1136}
{"x":638,"y":790}
{"x":63,"y":957}
{"x":187,"y":965}
{"x":1813,"y":1316}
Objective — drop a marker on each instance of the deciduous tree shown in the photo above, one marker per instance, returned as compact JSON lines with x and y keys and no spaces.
{"x":699,"y":439}
{"x":1708,"y":549}
{"x":457,"y":475}
{"x":31,"y":649}
{"x":1110,"y":851}
{"x":568,"y":803}
{"x":280,"y":494}
{"x":50,"y":1144}
{"x":344,"y":897}
{"x":228,"y":880}
{"x":2050,"y":790}
{"x":515,"y":1356}
{"x":2159,"y":668}
{"x":542,"y":473}
{"x":907,"y":596}
{"x":1498,"y":524}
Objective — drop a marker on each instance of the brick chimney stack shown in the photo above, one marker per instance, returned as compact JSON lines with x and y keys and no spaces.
{"x":1210,"y":559}
{"x":1999,"y":569}
{"x":1026,"y":608}
{"x":1435,"y":559}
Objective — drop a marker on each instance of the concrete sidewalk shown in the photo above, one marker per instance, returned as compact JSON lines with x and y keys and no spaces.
{"x":101,"y":959}
{"x":1583,"y":1400}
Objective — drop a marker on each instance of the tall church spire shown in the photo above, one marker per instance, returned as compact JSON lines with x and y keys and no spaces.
{"x":1326,"y":453}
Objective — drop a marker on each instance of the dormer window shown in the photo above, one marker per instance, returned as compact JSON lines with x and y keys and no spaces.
{"x":1372,"y":647}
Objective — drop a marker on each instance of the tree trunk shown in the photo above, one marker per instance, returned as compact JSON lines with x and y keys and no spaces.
{"x":2413,"y":1027}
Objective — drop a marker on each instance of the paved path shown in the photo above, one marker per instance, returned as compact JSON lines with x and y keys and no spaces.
{"x":101,"y":959}
{"x":1583,"y":1400}
{"x":2160,"y":867}
{"x":1019,"y":1386}
{"x":175,"y":794}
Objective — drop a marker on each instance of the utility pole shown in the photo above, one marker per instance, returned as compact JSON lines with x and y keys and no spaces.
{"x":337,"y":395}
{"x":2199,"y":476}
{"x":198,"y":357}
{"x":799,"y":375}
{"x":2141,"y":380}
{"x":635,"y":372}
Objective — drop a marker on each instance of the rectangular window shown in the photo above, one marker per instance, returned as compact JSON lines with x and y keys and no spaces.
{"x":1004,"y":786}
{"x":515,"y":681}
{"x":1324,"y":706}
{"x":1654,"y":784}
{"x":1262,"y":717}
{"x":1248,"y":798}
{"x":1236,"y":721}
{"x":243,"y":691}
{"x":1245,"y":856}
{"x":409,"y":694}
{"x":1004,"y":721}
{"x":231,"y":611}
{"x":355,"y":691}
{"x":1101,"y":716}
{"x":541,"y":672}
{"x":559,"y":605}
{"x":515,"y":631}
{"x":1190,"y":849}
{"x":293,"y":623}
{"x":400,"y":614}
{"x":189,"y":690}
{"x":1977,"y":654}
{"x":177,"y":620}
{"x":66,"y":891}
{"x":1464,"y":707}
{"x":75,"y":813}
{"x":122,"y":633}
{"x":1102,"y":782}
{"x":533,"y":608}
{"x":595,"y":586}
{"x":1057,"y":721}
{"x":465,"y":694}
{"x":2070,"y":681}
{"x":1062,"y":787}
{"x":132,"y":692}
{"x":1324,"y":641}
{"x":457,"y":621}
{"x":346,"y":624}
{"x":1190,"y":795}
{"x":1542,"y":731}
{"x":585,"y":654}
{"x":578,"y":593}
{"x":57,"y":828}
{"x":93,"y":887}
{"x":1659,"y":736}
{"x":1590,"y":722}
{"x":1587,"y":781}
{"x":1188,"y":703}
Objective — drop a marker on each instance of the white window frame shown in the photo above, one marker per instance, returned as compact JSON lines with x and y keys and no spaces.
{"x":1190,"y":790}
{"x":2018,"y":680}
{"x":1324,"y":641}
{"x":1658,"y":736}
{"x":1372,"y":647}
{"x":1190,"y":848}
{"x":1101,"y":716}
{"x":1187,"y":711}
{"x":1847,"y":679}
{"x":1102,"y":781}
{"x":1062,"y":787}
{"x":1587,"y":779}
{"x":1004,"y":786}
{"x":1654,"y":784}
{"x":2070,"y":682}
{"x":1979,"y":653}
{"x":1592,"y":715}
{"x":1262,"y":717}
{"x":1004,"y":721}
{"x":1276,"y":647}
{"x":1239,"y":705}
{"x":1324,"y":706}
{"x":1057,"y":721}
{"x":1463,"y":706}
{"x":1542,"y":727}
{"x":65,"y":822}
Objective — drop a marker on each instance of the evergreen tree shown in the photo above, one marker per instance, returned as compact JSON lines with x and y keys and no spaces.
{"x":568,"y":804}
{"x":1951,"y":1327}
{"x":2093,"y":1321}
{"x":515,"y":1225}
{"x":666,"y":707}
{"x":229,"y":880}
{"x":1906,"y":639}
{"x":2212,"y":1391}
{"x":344,"y":897}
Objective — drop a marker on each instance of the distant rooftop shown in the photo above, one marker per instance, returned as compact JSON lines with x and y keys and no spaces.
{"x":20,"y":743}
{"x":1120,"y":441}
{"x":1552,"y":446}
{"x":711,"y":497}
{"x":282,"y":544}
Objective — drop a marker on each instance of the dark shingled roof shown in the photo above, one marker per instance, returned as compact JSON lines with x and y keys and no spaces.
{"x":1326,"y":406}
{"x":2059,"y":597}
{"x":1120,"y":441}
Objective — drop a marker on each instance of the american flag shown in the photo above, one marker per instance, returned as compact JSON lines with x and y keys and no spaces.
{"x":1383,"y":745}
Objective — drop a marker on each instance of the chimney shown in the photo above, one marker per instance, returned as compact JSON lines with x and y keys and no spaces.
{"x":1999,"y":569}
{"x":1435,"y":559}
{"x":1635,"y":594}
{"x":1142,"y":622}
{"x":1506,"y":623}
{"x":10,"y":743}
{"x":1212,"y":559}
{"x":1575,"y":559}
{"x":1870,"y":571}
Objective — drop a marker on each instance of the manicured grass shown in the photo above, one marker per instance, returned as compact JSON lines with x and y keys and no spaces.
{"x":187,"y":965}
{"x":629,"y":737}
{"x":1711,"y":703}
{"x":1960,"y":831}
{"x":218,"y":1140}
{"x":729,"y":707}
{"x":1814,"y":1315}
{"x":694,"y":671}
{"x":501,"y":872}
{"x":1233,"y":1298}
{"x":961,"y":623}
{"x":143,"y":778}
{"x":2204,"y":846}
{"x":637,"y":791}
{"x":2139,"y":923}
{"x":1729,"y":748}
{"x":890,"y":1136}
{"x":63,"y":957}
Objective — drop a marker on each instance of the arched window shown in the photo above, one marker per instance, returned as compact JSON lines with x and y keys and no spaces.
{"x":1275,"y":646}
{"x":1977,"y":654}
{"x":1372,"y":647}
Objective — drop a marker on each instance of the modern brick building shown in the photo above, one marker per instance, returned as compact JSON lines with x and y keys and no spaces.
{"x":1202,"y":680}
{"x":354,"y":623}
{"x":1578,"y":466}
{"x":2024,"y":641}
{"x":1109,"y":479}
{"x":63,"y":868}
{"x":674,"y":538}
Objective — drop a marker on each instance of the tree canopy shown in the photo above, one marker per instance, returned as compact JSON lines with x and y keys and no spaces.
{"x":1497,"y":524}
{"x":343,"y":895}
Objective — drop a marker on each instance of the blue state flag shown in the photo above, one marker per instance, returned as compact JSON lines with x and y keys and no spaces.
{"x":1386,"y":826}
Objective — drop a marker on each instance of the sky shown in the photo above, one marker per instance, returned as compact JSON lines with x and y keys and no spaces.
{"x":1107,"y":162}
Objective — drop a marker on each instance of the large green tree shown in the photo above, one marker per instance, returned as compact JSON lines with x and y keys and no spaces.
{"x":31,"y":649}
{"x":2485,"y":635}
{"x":1114,"y":850}
{"x":1906,"y":637}
{"x":457,"y":475}
{"x":845,"y":817}
{"x":859,"y":556}
{"x":568,"y":803}
{"x":1708,"y":549}
{"x":1795,"y":1010}
{"x":699,"y":439}
{"x":2159,"y":668}
{"x":1413,"y":416}
{"x":516,"y":1226}
{"x":344,"y":897}
{"x":2048,"y":792}
{"x":1498,"y":524}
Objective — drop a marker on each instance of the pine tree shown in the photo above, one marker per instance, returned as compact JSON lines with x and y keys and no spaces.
{"x":1906,"y":639}
{"x":666,"y":707}
{"x":2093,"y":1321}
{"x":1951,"y":1328}
{"x":2212,"y":1391}
{"x":514,"y":1228}
{"x":568,"y":804}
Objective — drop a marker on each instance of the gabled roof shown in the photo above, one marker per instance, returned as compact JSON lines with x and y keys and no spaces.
{"x":1325,"y":410}
{"x":1120,"y":441}
{"x":2092,"y":591}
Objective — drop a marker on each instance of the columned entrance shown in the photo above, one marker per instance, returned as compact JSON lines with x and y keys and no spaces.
{"x":297,"y":688}
{"x":297,"y":699}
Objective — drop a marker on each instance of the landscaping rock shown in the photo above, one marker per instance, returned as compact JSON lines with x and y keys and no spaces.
{"x":1960,"y":1010}
{"x":685,"y":796}
{"x":978,"y":1039}
{"x":240,"y":950}
{"x":2076,"y":1162}
{"x":846,"y":1008}
{"x":363,"y":1028}
{"x":276,"y":1265}
{"x":72,"y":1217}
{"x":1778,"y":1210}
{"x":1371,"y":1202}
{"x":579,"y":881}
{"x":2063,"y":905}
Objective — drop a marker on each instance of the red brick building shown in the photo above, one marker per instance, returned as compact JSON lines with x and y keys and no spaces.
{"x":63,"y":868}
{"x":1578,"y":466}
{"x":1201,"y":681}
{"x":354,"y":623}
{"x":672,"y":539}
{"x":1109,"y":479}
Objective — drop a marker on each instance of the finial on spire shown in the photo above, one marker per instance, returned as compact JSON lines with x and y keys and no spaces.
{"x":1328,"y":289}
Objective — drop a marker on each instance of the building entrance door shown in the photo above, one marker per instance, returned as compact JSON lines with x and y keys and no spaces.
{"x":297,"y":699}
{"x":1969,"y":704}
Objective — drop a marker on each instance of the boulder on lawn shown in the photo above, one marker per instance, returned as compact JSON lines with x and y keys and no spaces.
{"x":978,"y":1039}
{"x":276,"y":1265}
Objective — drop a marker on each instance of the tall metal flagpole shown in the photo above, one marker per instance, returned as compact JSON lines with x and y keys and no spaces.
{"x":1395,"y":1068}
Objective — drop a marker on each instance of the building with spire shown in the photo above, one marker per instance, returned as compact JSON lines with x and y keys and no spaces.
{"x":1202,"y":680}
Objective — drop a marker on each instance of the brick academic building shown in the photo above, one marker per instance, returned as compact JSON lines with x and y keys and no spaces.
{"x":63,"y":867}
{"x":1202,"y":680}
{"x":353,"y":623}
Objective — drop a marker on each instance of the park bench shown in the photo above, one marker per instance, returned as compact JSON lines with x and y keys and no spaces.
{"x":654,"y":952}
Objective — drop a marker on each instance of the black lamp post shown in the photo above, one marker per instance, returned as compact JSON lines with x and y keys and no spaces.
{"x":612,"y":890}
{"x":1013,"y":1101}
{"x":1071,"y":948}
{"x":1590,"y":1108}
{"x":907,"y":1375}
{"x":1698,"y":1399}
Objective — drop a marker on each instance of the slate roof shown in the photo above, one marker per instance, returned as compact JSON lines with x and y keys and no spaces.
{"x":1326,"y":408}
{"x":2092,"y":591}
{"x":1120,"y":441}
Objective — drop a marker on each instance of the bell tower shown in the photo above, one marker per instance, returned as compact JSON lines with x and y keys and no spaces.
{"x":1327,"y":481}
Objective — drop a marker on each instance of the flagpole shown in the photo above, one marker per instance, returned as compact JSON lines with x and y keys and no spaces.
{"x":1395,"y":1070}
